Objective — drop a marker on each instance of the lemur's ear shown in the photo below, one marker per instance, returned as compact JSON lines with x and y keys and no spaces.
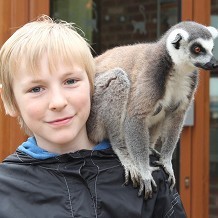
{"x":176,"y":41}
{"x":213,"y":31}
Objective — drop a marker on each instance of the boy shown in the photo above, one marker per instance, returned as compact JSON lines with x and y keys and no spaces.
{"x":46,"y":72}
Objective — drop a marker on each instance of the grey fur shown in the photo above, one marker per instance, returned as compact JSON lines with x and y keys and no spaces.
{"x":142,"y":93}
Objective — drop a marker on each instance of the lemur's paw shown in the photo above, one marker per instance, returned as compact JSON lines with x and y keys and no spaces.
{"x":149,"y":185}
{"x":172,"y":181}
{"x":132,"y":173}
{"x":167,"y":166}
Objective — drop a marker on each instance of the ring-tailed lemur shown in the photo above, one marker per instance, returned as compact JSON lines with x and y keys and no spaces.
{"x":147,"y":96}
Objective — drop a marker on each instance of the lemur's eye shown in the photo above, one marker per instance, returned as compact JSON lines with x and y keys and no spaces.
{"x":197,"y":49}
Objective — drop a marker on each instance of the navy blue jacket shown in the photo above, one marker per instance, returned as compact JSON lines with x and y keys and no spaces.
{"x":84,"y":184}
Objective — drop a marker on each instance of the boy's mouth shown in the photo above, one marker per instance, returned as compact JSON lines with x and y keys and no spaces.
{"x":61,"y":121}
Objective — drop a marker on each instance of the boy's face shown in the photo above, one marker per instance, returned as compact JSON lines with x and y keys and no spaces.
{"x":54,"y":105}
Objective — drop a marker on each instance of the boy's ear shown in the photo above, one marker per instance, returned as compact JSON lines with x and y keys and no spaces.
{"x":8,"y":111}
{"x":13,"y":113}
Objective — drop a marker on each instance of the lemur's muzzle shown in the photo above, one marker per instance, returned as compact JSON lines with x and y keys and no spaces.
{"x":211,"y":65}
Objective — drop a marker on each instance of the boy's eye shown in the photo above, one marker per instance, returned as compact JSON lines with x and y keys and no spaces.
{"x":36,"y":89}
{"x":70,"y":81}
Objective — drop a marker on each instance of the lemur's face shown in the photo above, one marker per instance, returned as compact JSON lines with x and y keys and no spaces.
{"x":195,"y":53}
{"x":200,"y":54}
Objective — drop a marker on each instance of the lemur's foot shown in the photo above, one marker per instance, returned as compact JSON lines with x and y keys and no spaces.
{"x":132,"y":173}
{"x":148,"y":185}
{"x":154,"y":152}
{"x":167,"y":166}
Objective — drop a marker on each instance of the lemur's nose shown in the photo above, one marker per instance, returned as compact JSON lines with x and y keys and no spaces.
{"x":215,"y":65}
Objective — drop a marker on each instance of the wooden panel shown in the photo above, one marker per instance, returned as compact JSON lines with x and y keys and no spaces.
{"x":187,"y":9}
{"x":201,"y":11}
{"x":200,"y":150}
{"x":19,"y":14}
{"x":13,"y":14}
{"x":185,"y":169}
{"x":195,"y":140}
{"x":186,"y":138}
{"x":200,"y":153}
{"x":4,"y":34}
{"x":39,"y":7}
{"x":5,"y":19}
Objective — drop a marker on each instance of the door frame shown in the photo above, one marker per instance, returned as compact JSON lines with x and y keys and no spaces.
{"x":194,"y":141}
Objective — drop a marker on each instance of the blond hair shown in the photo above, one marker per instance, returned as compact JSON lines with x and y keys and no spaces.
{"x":58,"y":39}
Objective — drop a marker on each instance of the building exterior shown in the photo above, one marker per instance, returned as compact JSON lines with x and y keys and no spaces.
{"x":108,"y":23}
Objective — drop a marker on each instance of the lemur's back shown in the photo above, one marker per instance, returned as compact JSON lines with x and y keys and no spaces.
{"x":131,"y":58}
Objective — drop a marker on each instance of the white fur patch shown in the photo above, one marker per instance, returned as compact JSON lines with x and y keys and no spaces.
{"x":173,"y":34}
{"x":207,"y":44}
{"x":178,"y":88}
{"x":213,"y":31}
{"x":177,"y":55}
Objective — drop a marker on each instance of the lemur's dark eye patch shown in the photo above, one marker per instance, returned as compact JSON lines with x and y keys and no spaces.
{"x":197,"y":49}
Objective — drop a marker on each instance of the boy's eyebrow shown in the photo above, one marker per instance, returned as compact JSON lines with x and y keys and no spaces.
{"x":33,"y":81}
{"x":74,"y":73}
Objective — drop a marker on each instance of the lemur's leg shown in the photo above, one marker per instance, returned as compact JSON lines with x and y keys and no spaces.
{"x":171,"y":131}
{"x":119,"y":147}
{"x":154,"y":133}
{"x":107,"y":113}
{"x":110,"y":88}
{"x":138,"y":141}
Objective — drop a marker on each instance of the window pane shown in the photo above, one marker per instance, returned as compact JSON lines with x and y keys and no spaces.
{"x":213,"y":146}
{"x":78,"y":12}
{"x":214,"y":124}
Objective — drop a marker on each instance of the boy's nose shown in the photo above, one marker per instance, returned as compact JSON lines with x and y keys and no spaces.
{"x":57,"y":101}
